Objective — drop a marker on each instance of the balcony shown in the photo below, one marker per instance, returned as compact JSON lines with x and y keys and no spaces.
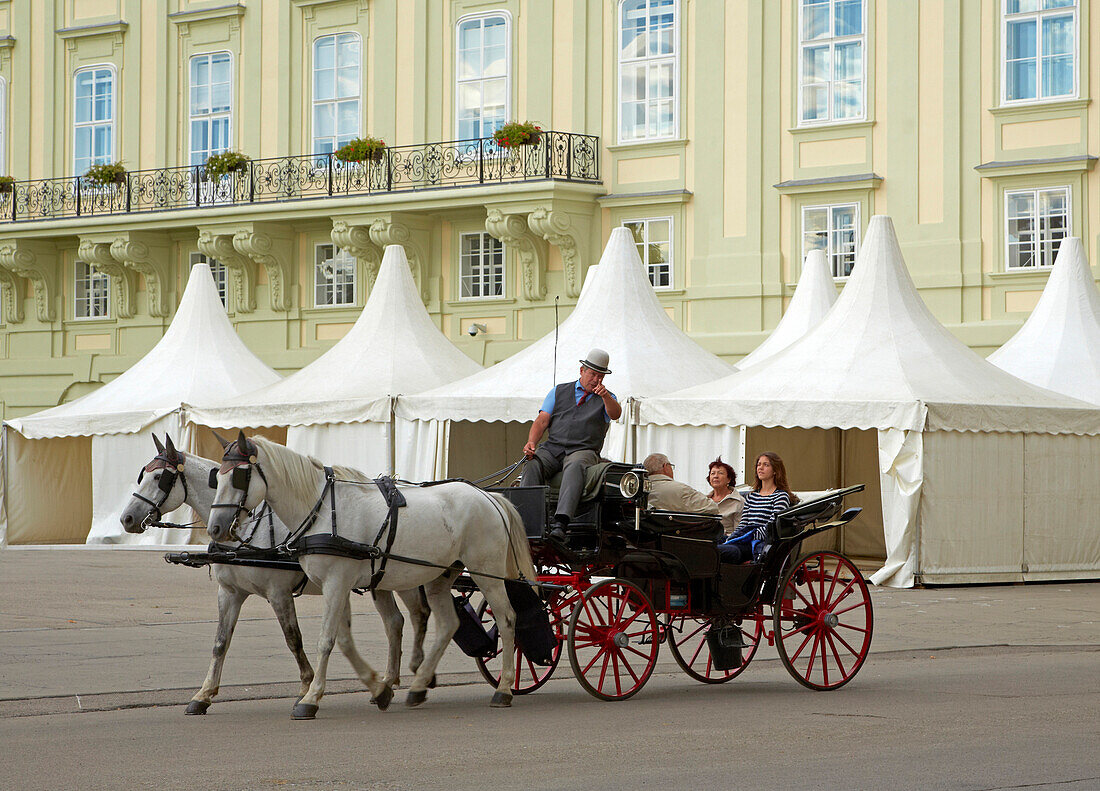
{"x":558,"y":156}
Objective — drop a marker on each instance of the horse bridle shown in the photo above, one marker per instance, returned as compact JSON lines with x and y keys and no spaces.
{"x":240,"y":461}
{"x":173,"y":471}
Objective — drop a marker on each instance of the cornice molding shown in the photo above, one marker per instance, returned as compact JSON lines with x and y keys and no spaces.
{"x":205,"y":14}
{"x":85,"y":31}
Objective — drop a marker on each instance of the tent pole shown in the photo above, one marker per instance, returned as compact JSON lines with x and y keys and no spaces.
{"x":843,"y":478}
{"x":393,"y":436}
{"x":633,"y":417}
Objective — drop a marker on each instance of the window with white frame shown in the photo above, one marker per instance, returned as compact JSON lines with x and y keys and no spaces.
{"x":217,"y":271}
{"x":832,"y":44}
{"x":481,"y":266}
{"x":211,"y":104}
{"x":482,"y":75}
{"x":648,"y":69}
{"x":653,"y":236}
{"x":333,"y":277}
{"x":1040,"y":49}
{"x":91,"y":292}
{"x":336,"y":90}
{"x":3,"y":125}
{"x":834,"y":229}
{"x":1036,"y":222}
{"x":93,"y":118}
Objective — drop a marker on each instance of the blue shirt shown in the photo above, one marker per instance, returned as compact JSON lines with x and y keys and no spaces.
{"x":578,"y":391}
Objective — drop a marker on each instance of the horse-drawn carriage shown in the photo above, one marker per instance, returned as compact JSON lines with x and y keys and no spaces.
{"x":631,"y":579}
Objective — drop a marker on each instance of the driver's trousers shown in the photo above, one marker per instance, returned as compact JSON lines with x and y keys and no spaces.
{"x":547,"y":462}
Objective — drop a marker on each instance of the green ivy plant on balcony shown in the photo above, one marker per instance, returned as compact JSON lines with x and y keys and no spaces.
{"x":517,"y":133}
{"x":219,"y":165}
{"x":362,"y":149}
{"x":7,"y":184}
{"x":106,"y":173}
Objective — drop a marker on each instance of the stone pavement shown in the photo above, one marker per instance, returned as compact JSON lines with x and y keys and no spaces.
{"x":110,"y":628}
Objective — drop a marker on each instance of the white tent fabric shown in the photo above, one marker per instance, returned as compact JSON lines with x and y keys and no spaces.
{"x":879,"y":360}
{"x":1059,"y":345}
{"x":617,"y":311}
{"x":393,"y":348}
{"x":200,"y":359}
{"x":815,"y":294}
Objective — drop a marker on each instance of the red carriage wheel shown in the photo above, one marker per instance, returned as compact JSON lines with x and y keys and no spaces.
{"x":613,"y":640}
{"x":529,"y":676}
{"x":687,"y":639}
{"x":823,"y":620}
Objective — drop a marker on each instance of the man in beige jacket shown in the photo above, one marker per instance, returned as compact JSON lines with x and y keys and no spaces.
{"x":668,"y":495}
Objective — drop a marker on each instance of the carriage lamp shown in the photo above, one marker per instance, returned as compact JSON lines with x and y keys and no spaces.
{"x":629,"y":485}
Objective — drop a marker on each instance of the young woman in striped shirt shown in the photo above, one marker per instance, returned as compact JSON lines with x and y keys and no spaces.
{"x":770,"y":494}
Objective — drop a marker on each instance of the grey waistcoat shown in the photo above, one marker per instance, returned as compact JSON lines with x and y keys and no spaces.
{"x":574,"y":427}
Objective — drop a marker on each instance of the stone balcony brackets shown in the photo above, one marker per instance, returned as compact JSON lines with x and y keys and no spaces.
{"x":218,"y":244}
{"x":412,"y":234}
{"x":149,"y":254}
{"x":569,"y":232}
{"x":36,"y":261}
{"x":123,"y":280}
{"x":356,"y":239}
{"x":271,"y":246}
{"x":513,"y":231}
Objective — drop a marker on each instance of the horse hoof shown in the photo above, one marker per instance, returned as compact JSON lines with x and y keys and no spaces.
{"x":501,"y":700}
{"x":416,"y":697}
{"x":304,"y":711}
{"x":431,"y":684}
{"x":383,"y":698}
{"x":198,"y":706}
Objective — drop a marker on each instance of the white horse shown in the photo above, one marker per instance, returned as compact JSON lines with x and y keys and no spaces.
{"x":445,"y":525}
{"x":173,"y":478}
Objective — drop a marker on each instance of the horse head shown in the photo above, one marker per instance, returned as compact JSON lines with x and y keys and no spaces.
{"x":241,"y":487}
{"x":162,"y":488}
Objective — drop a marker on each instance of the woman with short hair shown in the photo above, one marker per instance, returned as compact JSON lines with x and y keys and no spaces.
{"x":769,"y":496}
{"x":722,"y":479}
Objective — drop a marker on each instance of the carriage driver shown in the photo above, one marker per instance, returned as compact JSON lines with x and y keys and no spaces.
{"x":575,"y":416}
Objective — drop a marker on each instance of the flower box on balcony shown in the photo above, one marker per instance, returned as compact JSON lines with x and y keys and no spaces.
{"x":106,"y":174}
{"x":362,"y":149}
{"x":219,"y":165}
{"x":516,"y":133}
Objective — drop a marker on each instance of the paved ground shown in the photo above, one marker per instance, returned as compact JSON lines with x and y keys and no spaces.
{"x":967,"y":688}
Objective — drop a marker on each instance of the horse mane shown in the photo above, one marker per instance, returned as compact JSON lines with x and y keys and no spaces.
{"x":299,"y":470}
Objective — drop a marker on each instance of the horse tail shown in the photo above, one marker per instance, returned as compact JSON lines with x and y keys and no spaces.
{"x":520,"y":563}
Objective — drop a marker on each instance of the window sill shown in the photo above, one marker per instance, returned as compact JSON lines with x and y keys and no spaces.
{"x":328,"y":310}
{"x":478,"y":301}
{"x":669,"y":292}
{"x":668,"y":144}
{"x":1020,"y":273}
{"x":826,"y":126}
{"x":90,"y":320}
{"x":1042,"y":105}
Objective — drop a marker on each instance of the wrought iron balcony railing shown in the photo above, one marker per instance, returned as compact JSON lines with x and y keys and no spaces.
{"x":557,"y":156}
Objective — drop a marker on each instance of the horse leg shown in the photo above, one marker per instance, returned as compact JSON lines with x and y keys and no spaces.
{"x":229,"y":610}
{"x":286,"y":614}
{"x":335,"y":589}
{"x":393,"y":622}
{"x":438,"y":592}
{"x":497,"y":596}
{"x":347,"y":647}
{"x":419,"y":611}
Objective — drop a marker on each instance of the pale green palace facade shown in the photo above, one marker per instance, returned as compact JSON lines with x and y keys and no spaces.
{"x":732,"y":135}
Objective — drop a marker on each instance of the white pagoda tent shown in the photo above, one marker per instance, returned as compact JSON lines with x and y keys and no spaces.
{"x":815,"y":294}
{"x":1059,"y":345}
{"x":973,"y":475}
{"x":73,"y":466}
{"x":339,"y":408}
{"x":480,"y":423}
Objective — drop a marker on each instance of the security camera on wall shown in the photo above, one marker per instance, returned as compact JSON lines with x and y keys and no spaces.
{"x":474,"y":329}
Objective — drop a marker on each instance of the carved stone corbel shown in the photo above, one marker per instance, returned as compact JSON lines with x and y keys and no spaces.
{"x":123,"y":282}
{"x":386,"y":230}
{"x":512,"y":230}
{"x":148,"y":254}
{"x":36,"y":261}
{"x":242,"y":269}
{"x":569,"y":233}
{"x":271,"y":247}
{"x":356,"y":239}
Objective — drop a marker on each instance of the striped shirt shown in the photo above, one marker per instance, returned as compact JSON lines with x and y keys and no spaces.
{"x":758,"y":511}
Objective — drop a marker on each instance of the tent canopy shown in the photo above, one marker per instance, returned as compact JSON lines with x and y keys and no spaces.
{"x":1059,"y":345}
{"x":393,"y":348}
{"x":200,"y":360}
{"x":617,"y":311}
{"x":880,"y":360}
{"x":815,"y":294}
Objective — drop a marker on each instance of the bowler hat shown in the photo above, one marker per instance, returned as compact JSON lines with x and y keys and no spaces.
{"x":597,"y":360}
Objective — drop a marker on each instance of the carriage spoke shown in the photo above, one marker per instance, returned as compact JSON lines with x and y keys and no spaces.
{"x":836,"y":655}
{"x":849,"y":609}
{"x":595,"y":658}
{"x":813,"y":656}
{"x":844,"y":643}
{"x":803,"y":645}
{"x":634,"y":650}
{"x":615,"y":672}
{"x":853,"y":628}
{"x":698,"y":649}
{"x":824,"y":659}
{"x":629,"y":669}
{"x":846,"y":592}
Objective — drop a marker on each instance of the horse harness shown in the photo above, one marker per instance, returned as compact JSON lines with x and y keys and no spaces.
{"x":171,"y":462}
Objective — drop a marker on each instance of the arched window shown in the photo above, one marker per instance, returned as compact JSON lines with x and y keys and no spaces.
{"x":93,"y":118}
{"x":336,"y":89}
{"x":648,"y":69}
{"x":211,"y":104}
{"x":482,"y":75}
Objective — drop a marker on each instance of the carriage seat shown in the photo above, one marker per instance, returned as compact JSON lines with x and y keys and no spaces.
{"x":593,"y":480}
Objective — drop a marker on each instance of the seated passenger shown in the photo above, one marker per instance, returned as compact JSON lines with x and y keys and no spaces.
{"x":770,"y":494}
{"x":722,"y":479}
{"x":666,"y":494}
